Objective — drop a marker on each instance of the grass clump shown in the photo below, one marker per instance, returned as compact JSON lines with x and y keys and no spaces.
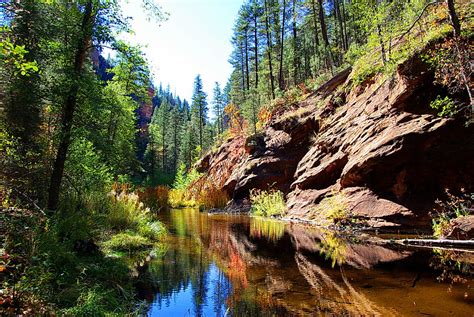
{"x":267,"y":203}
{"x":127,"y":241}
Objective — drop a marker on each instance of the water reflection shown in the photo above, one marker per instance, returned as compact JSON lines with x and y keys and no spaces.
{"x":221,"y":265}
{"x":269,"y":229}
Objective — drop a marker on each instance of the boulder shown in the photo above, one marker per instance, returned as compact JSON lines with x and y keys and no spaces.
{"x":461,"y":228}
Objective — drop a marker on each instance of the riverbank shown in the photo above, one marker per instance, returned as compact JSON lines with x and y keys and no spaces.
{"x":79,"y":261}
{"x":407,"y":237}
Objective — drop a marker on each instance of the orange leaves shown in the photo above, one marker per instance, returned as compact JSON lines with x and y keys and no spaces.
{"x":264,"y":115}
{"x":236,"y":121}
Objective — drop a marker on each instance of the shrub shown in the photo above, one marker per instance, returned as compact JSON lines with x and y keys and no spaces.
{"x":84,"y":168}
{"x":267,"y":203}
{"x":80,"y":216}
{"x":453,"y":207}
{"x":193,"y":189}
{"x":334,"y":209}
{"x":446,"y":107}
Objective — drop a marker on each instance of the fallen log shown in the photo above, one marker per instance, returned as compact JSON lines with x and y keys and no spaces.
{"x":464,"y":244}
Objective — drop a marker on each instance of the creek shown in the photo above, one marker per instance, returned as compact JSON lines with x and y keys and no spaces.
{"x":236,"y":265}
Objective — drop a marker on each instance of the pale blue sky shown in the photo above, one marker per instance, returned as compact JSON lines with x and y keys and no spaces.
{"x":194,"y":40}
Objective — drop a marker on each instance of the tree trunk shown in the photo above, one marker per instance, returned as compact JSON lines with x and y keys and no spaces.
{"x":269,"y":51}
{"x":243,"y":65}
{"x":247,"y":60}
{"x":280,"y":74}
{"x":295,"y":46}
{"x":315,"y":20}
{"x":256,"y":48}
{"x":344,"y":23}
{"x":70,"y":107}
{"x":341,"y":28}
{"x":382,"y":46}
{"x":454,"y":18}
{"x":316,"y":37}
{"x":324,"y":31}
{"x":324,"y":34}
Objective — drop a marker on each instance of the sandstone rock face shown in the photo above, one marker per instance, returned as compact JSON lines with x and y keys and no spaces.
{"x":272,"y":162}
{"x":462,"y":228}
{"x":380,"y":146}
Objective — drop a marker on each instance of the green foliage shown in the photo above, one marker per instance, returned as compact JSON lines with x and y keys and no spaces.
{"x":153,"y":230}
{"x":332,"y":210}
{"x":440,"y":225}
{"x":15,"y":55}
{"x":185,"y":179}
{"x":250,"y":110}
{"x":97,"y":301}
{"x":85,"y":170}
{"x":59,"y":256}
{"x":66,"y":268}
{"x":384,"y":25}
{"x":267,"y":203}
{"x":180,"y":195}
{"x":199,"y":111}
{"x":446,"y":107}
{"x":8,"y":148}
{"x":180,"y":198}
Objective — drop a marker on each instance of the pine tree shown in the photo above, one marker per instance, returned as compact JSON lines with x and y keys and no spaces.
{"x":218,"y":107}
{"x":199,"y":113}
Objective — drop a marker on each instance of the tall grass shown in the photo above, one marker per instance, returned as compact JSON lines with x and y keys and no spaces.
{"x":75,"y":259}
{"x":267,"y":203}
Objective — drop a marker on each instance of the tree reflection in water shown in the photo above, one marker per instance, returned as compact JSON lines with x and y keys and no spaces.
{"x":221,"y":265}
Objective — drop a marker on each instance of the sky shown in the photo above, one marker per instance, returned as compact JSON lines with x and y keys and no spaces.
{"x":194,"y":40}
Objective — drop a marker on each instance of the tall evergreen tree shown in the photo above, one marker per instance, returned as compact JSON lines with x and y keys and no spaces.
{"x":199,"y":113}
{"x":218,"y":107}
